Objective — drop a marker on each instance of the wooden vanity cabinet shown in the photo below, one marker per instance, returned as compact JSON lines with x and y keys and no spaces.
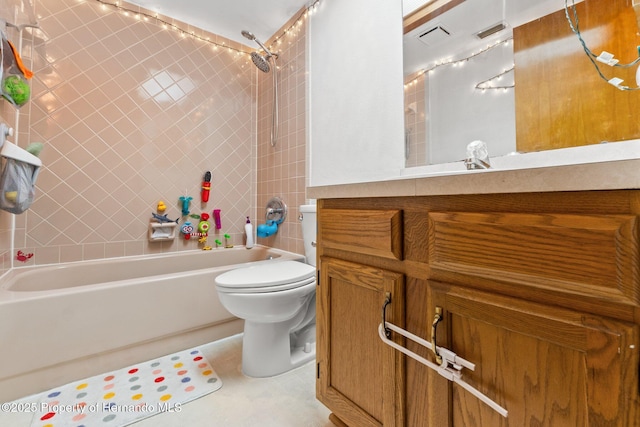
{"x":541,"y":291}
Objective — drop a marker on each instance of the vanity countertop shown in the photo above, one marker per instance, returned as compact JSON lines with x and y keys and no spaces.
{"x":606,"y":175}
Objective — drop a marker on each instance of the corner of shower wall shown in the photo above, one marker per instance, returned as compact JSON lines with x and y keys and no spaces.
{"x":282,"y":170}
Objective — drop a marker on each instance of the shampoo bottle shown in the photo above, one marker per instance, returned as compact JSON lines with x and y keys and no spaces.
{"x":248,"y":229}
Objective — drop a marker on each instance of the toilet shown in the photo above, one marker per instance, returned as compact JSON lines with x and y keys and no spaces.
{"x":277,"y":300}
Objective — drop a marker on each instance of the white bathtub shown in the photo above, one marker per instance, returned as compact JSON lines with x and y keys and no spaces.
{"x":68,"y":321}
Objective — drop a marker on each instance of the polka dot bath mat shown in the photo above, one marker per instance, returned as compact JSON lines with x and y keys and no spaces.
{"x":122,"y":397}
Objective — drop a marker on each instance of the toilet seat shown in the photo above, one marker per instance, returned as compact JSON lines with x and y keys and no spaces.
{"x":271,"y":277}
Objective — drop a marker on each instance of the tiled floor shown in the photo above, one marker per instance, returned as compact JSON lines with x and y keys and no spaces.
{"x":287,"y":400}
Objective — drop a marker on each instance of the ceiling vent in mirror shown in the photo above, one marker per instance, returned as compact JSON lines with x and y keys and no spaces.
{"x":491,"y":30}
{"x":434,"y":35}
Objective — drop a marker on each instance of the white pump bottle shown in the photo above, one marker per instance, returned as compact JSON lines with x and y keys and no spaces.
{"x":248,"y":229}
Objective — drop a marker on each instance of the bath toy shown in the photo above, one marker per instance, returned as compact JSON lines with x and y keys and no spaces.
{"x":16,"y":90}
{"x":267,"y":229}
{"x":185,"y":204}
{"x":206,"y":187}
{"x":35,"y":148}
{"x":206,"y":248}
{"x":226,"y":241}
{"x":186,"y":229}
{"x":11,"y":196}
{"x":204,"y":225}
{"x":163,"y":218}
{"x":22,"y":257}
{"x":161,"y":206}
{"x":202,"y":238}
{"x":25,"y":71}
{"x":216,"y":219}
{"x":218,"y":243}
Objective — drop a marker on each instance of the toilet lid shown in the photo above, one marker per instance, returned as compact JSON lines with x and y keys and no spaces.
{"x":276,"y":276}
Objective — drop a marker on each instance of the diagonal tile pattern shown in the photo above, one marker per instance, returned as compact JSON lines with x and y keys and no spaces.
{"x":131,"y":113}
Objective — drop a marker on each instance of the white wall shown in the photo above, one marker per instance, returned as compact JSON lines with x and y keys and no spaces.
{"x":356,"y":125}
{"x":459,"y":113}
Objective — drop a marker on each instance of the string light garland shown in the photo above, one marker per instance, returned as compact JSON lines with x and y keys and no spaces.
{"x":484,"y":85}
{"x":605,"y":57}
{"x":139,"y":15}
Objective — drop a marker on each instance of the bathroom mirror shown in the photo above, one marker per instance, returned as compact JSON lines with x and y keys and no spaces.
{"x":465,"y":50}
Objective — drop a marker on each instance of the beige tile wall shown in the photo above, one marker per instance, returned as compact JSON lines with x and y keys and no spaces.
{"x":415,"y":120}
{"x":282,"y":169}
{"x":131,"y":113}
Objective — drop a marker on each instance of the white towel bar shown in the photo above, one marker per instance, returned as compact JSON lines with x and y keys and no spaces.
{"x":451,"y":366}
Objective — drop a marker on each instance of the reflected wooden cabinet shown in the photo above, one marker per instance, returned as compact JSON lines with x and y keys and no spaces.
{"x":540,"y":291}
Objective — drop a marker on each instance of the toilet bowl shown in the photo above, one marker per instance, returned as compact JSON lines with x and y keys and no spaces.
{"x":277,"y":300}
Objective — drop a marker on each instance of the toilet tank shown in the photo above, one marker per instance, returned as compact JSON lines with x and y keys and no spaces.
{"x":308,"y":222}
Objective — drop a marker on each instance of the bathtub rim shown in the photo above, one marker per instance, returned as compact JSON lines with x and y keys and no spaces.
{"x":8,"y":295}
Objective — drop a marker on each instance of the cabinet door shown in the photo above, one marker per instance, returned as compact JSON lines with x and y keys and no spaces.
{"x":547,"y":366}
{"x":359,"y":377}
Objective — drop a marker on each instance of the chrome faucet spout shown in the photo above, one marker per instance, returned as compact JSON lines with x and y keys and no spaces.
{"x":477,"y":156}
{"x":476,"y":163}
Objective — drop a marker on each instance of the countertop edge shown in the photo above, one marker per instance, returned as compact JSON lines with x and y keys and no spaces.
{"x":610,"y":175}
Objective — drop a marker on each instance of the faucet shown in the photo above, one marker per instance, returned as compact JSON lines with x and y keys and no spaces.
{"x":476,"y":163}
{"x":477,"y":156}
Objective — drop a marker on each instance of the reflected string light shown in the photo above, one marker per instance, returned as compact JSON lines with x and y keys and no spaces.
{"x":484,"y":85}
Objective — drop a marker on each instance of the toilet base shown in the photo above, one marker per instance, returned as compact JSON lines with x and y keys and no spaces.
{"x":267,"y":348}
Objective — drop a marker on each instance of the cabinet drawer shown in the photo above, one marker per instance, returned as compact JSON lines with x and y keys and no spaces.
{"x":373,"y":232}
{"x":582,"y":254}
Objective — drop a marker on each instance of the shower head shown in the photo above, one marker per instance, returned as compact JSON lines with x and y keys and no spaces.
{"x":261,"y":61}
{"x":248,"y":35}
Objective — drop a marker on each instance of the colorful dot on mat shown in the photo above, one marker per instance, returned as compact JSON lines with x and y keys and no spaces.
{"x":207,"y":372}
{"x":156,"y":372}
{"x":190,"y":388}
{"x":108,"y":395}
{"x":81,"y":395}
{"x":109,"y":377}
{"x":78,"y":417}
{"x":165,"y":397}
{"x":136,"y":397}
{"x":194,"y":352}
{"x":133,"y":371}
{"x":109,"y":407}
{"x":178,"y":365}
{"x":135,"y":387}
{"x":81,"y":386}
{"x":48,"y":425}
{"x":108,"y":418}
{"x":54,"y":403}
{"x":195,"y":359}
{"x":203,"y":365}
{"x":175,"y":358}
{"x":109,"y":386}
{"x":184,"y":371}
{"x":47,"y":416}
{"x":154,"y":364}
{"x":133,"y":379}
{"x":212,"y":380}
{"x":186,"y":379}
{"x":162,"y":388}
{"x":54,"y":394}
{"x":158,"y":380}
